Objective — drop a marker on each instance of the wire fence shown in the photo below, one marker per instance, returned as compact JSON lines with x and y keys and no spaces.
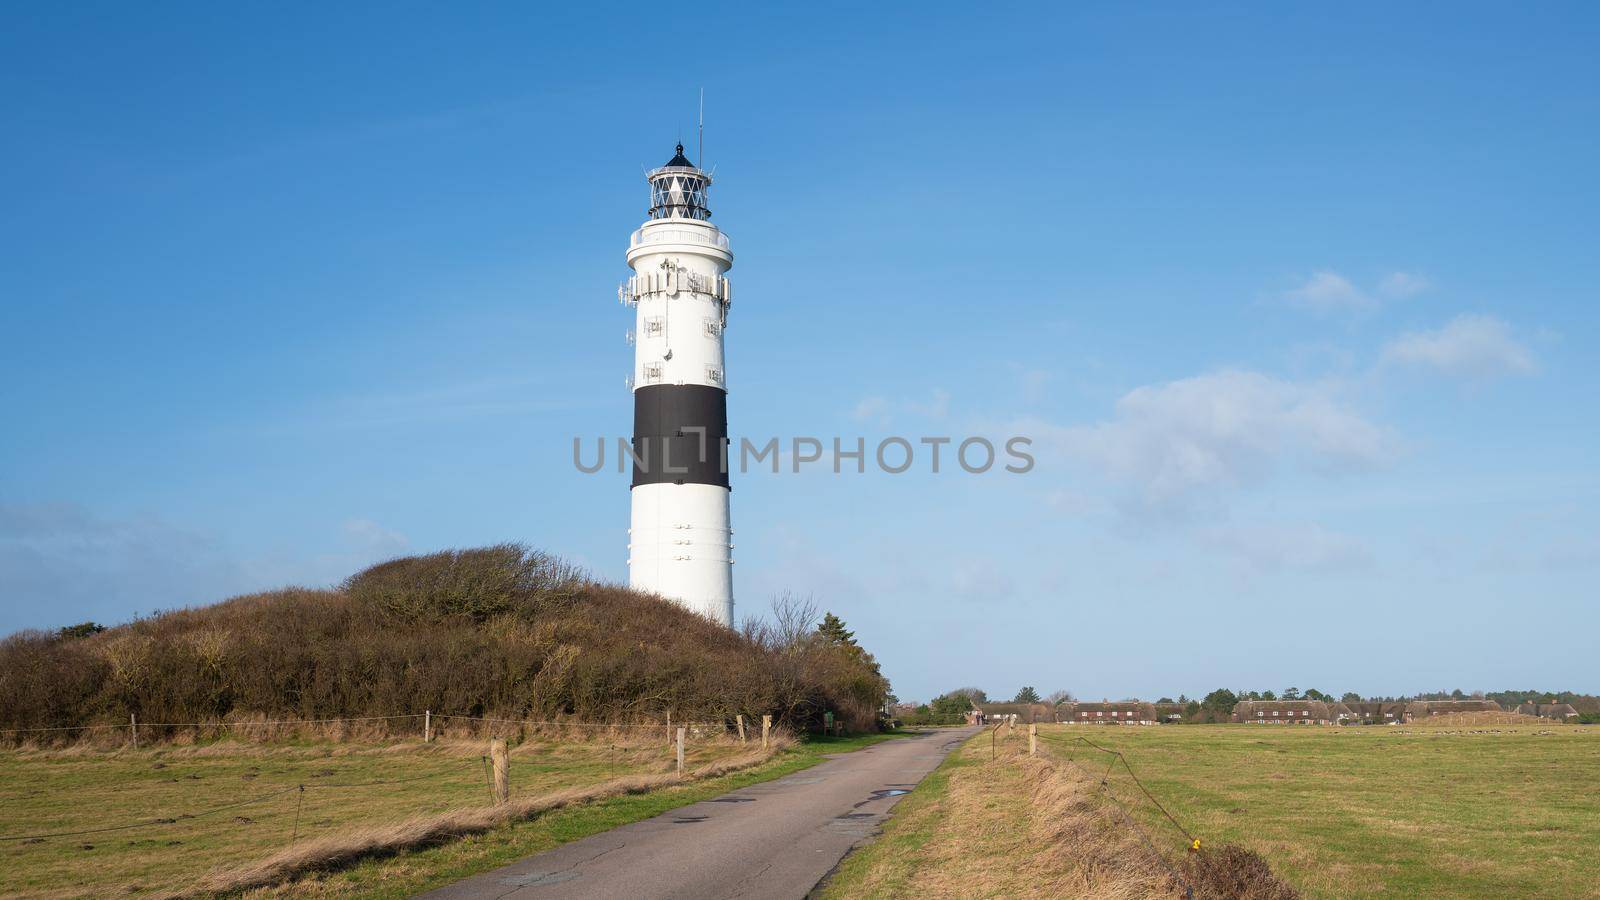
{"x":472,"y":765}
{"x":134,"y":726}
{"x":1103,"y":780}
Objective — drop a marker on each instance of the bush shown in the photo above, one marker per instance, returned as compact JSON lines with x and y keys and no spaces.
{"x":500,"y":631}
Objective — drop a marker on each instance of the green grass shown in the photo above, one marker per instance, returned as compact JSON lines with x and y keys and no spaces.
{"x":347,"y":785}
{"x":885,"y":866}
{"x":1364,"y":812}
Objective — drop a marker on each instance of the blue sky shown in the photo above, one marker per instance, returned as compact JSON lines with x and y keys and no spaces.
{"x":1297,"y":305}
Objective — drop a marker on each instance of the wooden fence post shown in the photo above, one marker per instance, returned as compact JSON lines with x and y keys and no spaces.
{"x":502,"y":770}
{"x":1033,"y":740}
{"x":133,"y":723}
{"x":669,"y":728}
{"x":681,"y":730}
{"x":427,"y":726}
{"x":766,"y":731}
{"x":741,"y":728}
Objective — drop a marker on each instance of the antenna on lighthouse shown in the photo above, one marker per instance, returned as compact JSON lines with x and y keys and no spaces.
{"x":700,"y":152}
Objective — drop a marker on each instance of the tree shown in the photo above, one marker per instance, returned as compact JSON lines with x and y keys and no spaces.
{"x":1314,"y":694}
{"x":949,"y":709}
{"x":1220,"y":701}
{"x":1165,"y":700}
{"x":833,"y":631}
{"x":1056,"y":698}
{"x":1267,"y":695}
{"x":1350,"y":697}
{"x":976,"y":695}
{"x":1291,"y":693}
{"x":1184,"y":700}
{"x":80,"y":630}
{"x":1026,"y":695}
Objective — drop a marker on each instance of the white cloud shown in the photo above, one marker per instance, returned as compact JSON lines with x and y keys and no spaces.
{"x":881,"y":409}
{"x":369,"y":537}
{"x":938,"y":407}
{"x":63,"y":563}
{"x":872,"y":409}
{"x":1401,"y":285}
{"x":1290,"y":545}
{"x":981,"y":580}
{"x":1328,"y":292}
{"x":1226,"y":428}
{"x":1470,"y":346}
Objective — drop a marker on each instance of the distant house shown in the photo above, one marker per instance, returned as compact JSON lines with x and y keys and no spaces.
{"x":1376,"y":713}
{"x":1125,"y":712}
{"x":1561,"y":712}
{"x":1422,"y":709}
{"x":1026,"y":713}
{"x":1290,"y":712}
{"x":1169,"y":712}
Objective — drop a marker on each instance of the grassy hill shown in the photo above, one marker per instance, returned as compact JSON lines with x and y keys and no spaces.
{"x":498,"y":631}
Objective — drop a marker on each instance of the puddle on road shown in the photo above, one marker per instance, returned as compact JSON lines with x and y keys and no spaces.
{"x":689,"y":820}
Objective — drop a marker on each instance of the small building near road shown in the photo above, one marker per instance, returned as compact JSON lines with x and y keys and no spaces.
{"x":1026,"y":713}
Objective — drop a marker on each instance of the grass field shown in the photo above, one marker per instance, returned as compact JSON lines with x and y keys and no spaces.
{"x":1409,"y":811}
{"x":231,"y":803}
{"x":1001,"y":827}
{"x":1336,"y":812}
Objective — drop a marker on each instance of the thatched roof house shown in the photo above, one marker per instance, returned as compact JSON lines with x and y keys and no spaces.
{"x":1377,"y":713}
{"x":1558,"y":711}
{"x":1290,"y":712}
{"x":1122,"y":712}
{"x":1026,"y":713}
{"x":1422,"y":709}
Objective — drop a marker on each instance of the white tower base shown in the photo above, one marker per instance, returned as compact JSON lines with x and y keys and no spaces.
{"x":680,"y":546}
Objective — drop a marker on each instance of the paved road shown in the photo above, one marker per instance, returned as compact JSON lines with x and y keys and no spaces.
{"x":776,"y":839}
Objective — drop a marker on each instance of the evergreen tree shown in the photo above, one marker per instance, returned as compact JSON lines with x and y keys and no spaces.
{"x":833,"y":631}
{"x":1026,"y":695}
{"x":1221,"y":701}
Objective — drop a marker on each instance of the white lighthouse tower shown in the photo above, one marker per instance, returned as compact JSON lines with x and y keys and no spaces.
{"x":680,"y":545}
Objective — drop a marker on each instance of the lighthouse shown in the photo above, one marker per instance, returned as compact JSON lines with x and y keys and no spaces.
{"x":680,"y":544}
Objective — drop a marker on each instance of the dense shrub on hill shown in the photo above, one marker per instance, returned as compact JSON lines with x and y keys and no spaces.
{"x":498,"y":631}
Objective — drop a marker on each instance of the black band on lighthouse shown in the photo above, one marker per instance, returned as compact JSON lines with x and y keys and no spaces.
{"x":669,"y":445}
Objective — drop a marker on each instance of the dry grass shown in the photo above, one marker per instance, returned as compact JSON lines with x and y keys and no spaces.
{"x":338,"y":850}
{"x":355,"y":797}
{"x":1020,"y":826}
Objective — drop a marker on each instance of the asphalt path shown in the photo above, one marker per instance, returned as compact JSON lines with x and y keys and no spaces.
{"x":774,"y":839}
